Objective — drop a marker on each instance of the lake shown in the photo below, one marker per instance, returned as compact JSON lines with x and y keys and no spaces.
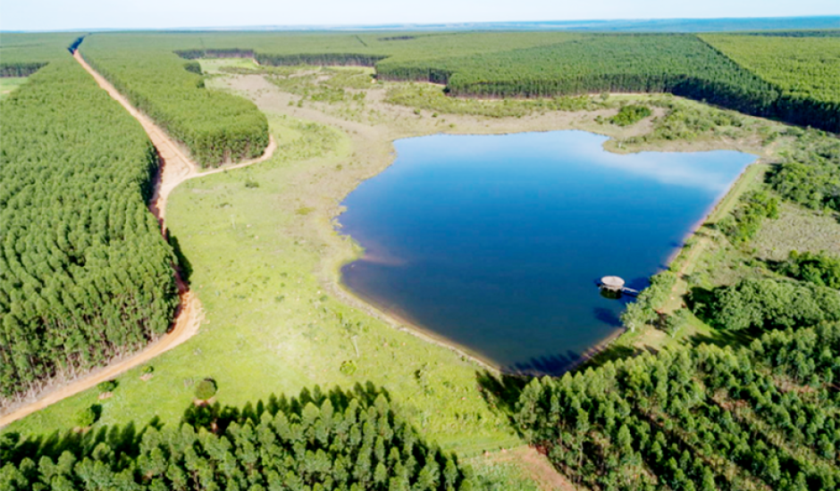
{"x":495,"y":242}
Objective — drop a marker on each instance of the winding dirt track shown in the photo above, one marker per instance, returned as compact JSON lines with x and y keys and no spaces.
{"x":175,"y":168}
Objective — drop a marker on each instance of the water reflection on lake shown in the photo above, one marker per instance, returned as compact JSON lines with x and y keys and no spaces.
{"x":495,"y":242}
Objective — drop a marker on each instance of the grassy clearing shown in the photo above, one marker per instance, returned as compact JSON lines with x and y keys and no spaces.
{"x":9,"y":84}
{"x":798,"y":229}
{"x":215,"y":65}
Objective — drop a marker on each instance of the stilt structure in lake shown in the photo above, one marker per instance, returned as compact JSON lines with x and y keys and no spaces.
{"x":613,"y":287}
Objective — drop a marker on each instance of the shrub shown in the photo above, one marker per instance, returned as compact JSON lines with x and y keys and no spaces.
{"x":106,"y":386}
{"x":348,"y":367}
{"x":745,"y":221}
{"x":205,"y":389}
{"x":86,"y":417}
{"x":676,"y":322}
{"x":631,"y":114}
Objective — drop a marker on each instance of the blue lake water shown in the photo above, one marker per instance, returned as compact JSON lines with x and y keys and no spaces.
{"x":495,"y":242}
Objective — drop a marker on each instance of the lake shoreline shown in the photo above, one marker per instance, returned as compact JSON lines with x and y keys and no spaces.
{"x":407,"y":125}
{"x":526,"y":358}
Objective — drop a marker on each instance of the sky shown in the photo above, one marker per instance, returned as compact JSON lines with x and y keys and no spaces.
{"x":43,"y":15}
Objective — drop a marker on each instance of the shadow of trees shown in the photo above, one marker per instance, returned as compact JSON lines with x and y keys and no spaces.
{"x":183,"y":264}
{"x":125,"y":441}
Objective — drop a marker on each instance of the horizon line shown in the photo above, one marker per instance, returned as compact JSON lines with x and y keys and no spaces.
{"x":414,"y":26}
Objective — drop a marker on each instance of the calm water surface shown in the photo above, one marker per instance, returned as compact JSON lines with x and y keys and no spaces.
{"x":495,"y":242}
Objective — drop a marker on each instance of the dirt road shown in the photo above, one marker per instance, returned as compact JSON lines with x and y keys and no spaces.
{"x":175,"y":168}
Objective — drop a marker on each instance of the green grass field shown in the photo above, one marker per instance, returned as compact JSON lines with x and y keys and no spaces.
{"x":9,"y":84}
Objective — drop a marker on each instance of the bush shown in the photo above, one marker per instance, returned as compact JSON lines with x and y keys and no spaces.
{"x":631,"y":114}
{"x":643,"y":310}
{"x":205,"y":389}
{"x":742,"y":225}
{"x":348,"y":367}
{"x":86,"y":417}
{"x":106,"y":386}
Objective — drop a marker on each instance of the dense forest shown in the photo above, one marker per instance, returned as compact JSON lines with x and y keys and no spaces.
{"x":216,"y":127}
{"x":84,"y":272}
{"x":765,"y":416}
{"x":336,"y":441}
{"x":684,"y":65}
{"x":790,"y":75}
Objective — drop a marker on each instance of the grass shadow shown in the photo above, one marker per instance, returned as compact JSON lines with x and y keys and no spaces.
{"x":733,"y":339}
{"x":501,"y":392}
{"x":612,"y":352}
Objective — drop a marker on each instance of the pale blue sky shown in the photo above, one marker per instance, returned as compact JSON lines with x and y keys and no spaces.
{"x":98,"y":14}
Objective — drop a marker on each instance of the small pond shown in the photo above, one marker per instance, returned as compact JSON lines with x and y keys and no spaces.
{"x":495,"y":242}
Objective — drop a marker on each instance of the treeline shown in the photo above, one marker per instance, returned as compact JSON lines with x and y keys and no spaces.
{"x":414,"y":72}
{"x":808,"y":33}
{"x":336,"y":441}
{"x":680,"y":64}
{"x":216,"y":127}
{"x":19,"y":69}
{"x":192,"y":54}
{"x":84,"y":272}
{"x":705,"y":418}
{"x":273,"y":59}
{"x":318,"y":59}
{"x":820,"y":269}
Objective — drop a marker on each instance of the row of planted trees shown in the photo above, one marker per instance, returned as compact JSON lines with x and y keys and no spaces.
{"x":336,"y":441}
{"x":762,"y":417}
{"x":84,"y":272}
{"x":680,"y":64}
{"x":215,"y":126}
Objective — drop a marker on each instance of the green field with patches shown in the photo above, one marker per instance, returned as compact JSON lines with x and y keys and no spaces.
{"x":9,"y":84}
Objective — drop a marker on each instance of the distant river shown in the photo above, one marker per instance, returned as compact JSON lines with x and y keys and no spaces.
{"x":495,"y":242}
